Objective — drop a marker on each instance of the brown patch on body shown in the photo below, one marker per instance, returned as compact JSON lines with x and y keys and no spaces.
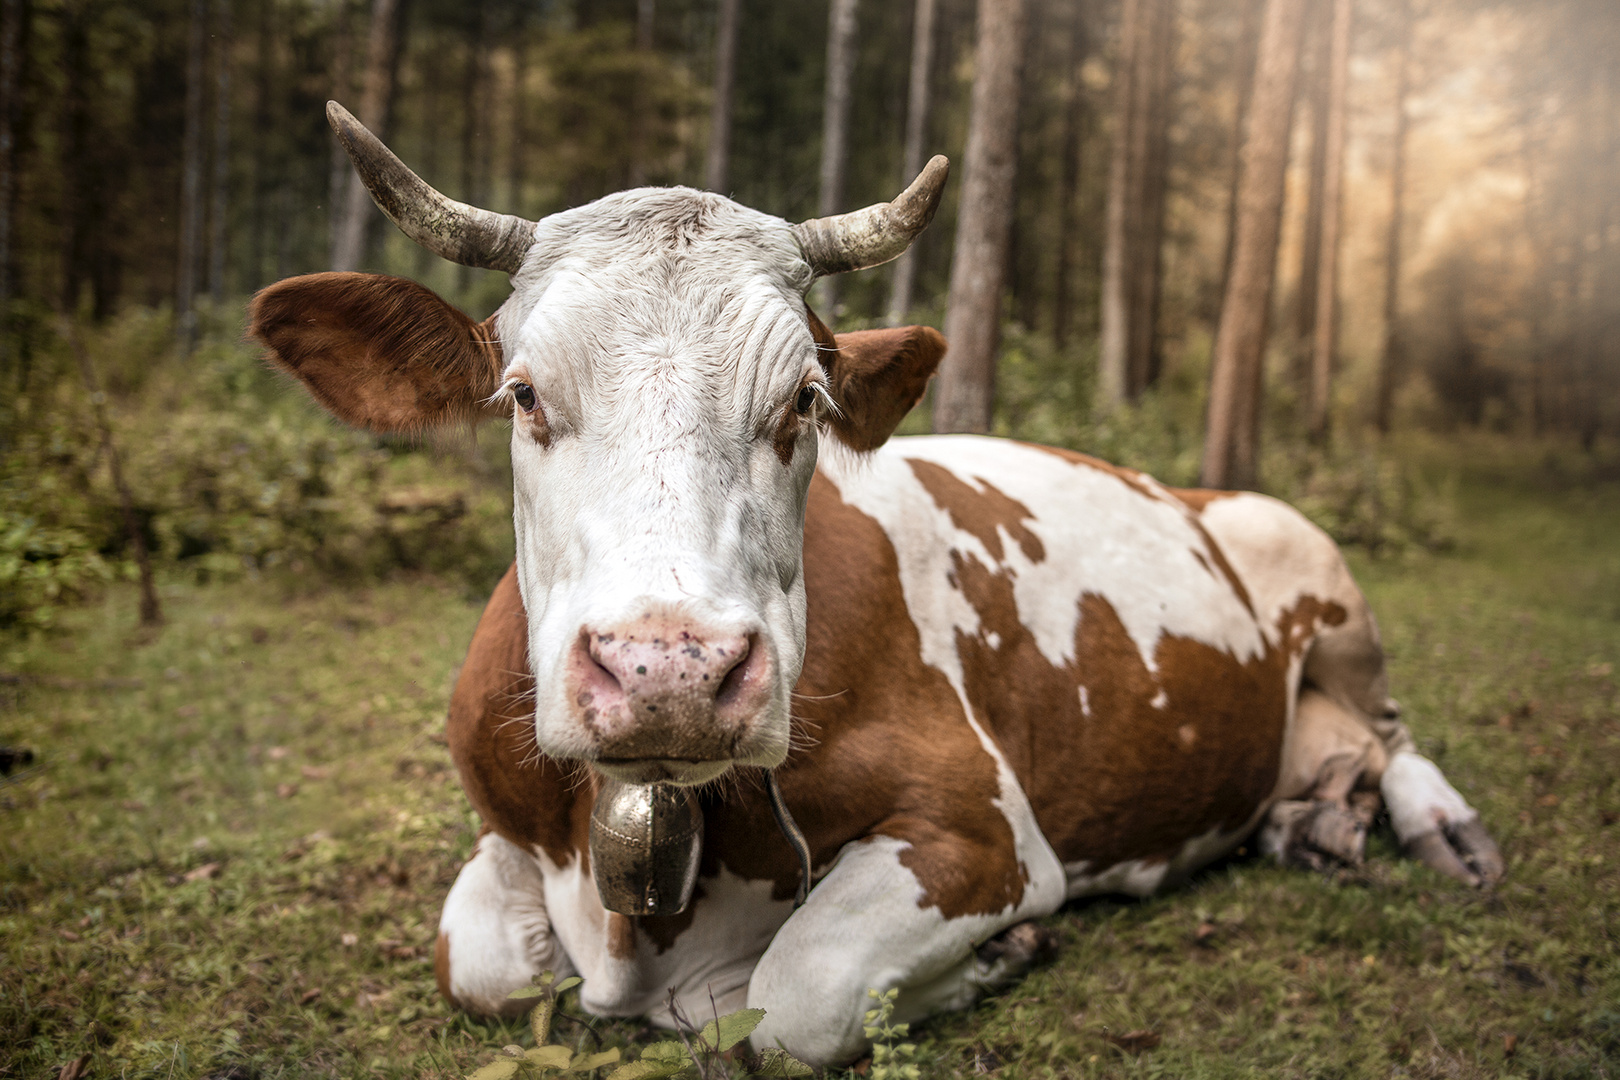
{"x":379,"y":352}
{"x":441,"y":968}
{"x":982,"y":514}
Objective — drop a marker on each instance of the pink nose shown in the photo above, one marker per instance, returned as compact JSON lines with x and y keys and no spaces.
{"x":668,"y":688}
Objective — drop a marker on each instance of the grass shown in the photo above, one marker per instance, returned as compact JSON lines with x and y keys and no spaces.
{"x":232,"y":861}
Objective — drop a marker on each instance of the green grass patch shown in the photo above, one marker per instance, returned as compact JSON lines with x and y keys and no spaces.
{"x":232,"y":858}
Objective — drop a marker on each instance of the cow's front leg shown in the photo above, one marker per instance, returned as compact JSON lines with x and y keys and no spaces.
{"x":494,"y":933}
{"x":872,"y":924}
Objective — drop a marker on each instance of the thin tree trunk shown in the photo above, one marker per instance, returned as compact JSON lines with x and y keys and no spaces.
{"x":1152,"y":190}
{"x":1310,"y":251}
{"x":717,"y":167}
{"x":1392,"y":356}
{"x":1075,"y":119}
{"x":191,"y":183}
{"x":918,"y":99}
{"x":517,"y":162}
{"x":151,"y":613}
{"x":222,"y":143}
{"x":338,"y":165}
{"x":11,"y":35}
{"x":965,"y":392}
{"x":262,"y":96}
{"x":382,"y":54}
{"x":1325,"y":333}
{"x":842,"y":51}
{"x":1248,"y":46}
{"x":1120,"y":224}
{"x":1232,"y":441}
{"x":646,"y":18}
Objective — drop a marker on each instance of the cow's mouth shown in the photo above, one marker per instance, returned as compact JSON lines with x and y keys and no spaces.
{"x":662,"y":770}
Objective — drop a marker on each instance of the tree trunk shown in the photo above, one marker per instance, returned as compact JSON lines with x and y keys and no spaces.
{"x":474,"y":139}
{"x":1248,"y":46}
{"x":11,"y":36}
{"x":220,"y":201}
{"x":646,"y":18}
{"x":1232,"y":441}
{"x":965,"y":392}
{"x":338,"y":168}
{"x":517,"y":162}
{"x":1075,"y":119}
{"x":1325,"y":332}
{"x":717,"y":168}
{"x":1146,"y":290}
{"x":918,"y":99}
{"x":842,"y":50}
{"x":264,"y":82}
{"x":1136,"y":193}
{"x":1392,"y":356}
{"x":376,"y":99}
{"x":191,"y":183}
{"x":1310,"y":250}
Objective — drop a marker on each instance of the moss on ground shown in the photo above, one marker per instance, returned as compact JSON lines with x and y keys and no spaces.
{"x":232,"y":861}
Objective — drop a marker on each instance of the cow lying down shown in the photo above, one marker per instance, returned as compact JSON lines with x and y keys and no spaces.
{"x":990,"y":677}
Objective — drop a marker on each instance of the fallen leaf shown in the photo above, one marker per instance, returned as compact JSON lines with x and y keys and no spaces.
{"x":1547,"y":800}
{"x":286,"y":791}
{"x":68,"y":935}
{"x":202,"y":873}
{"x":1205,"y":931}
{"x":351,"y":939}
{"x":1510,"y":1043}
{"x":277,"y":753}
{"x":1134,"y":1042}
{"x":74,"y":1069}
{"x":313,"y":772}
{"x":309,"y":996}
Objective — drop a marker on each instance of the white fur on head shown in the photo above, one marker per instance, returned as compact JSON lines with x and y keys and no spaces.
{"x":664,"y":333}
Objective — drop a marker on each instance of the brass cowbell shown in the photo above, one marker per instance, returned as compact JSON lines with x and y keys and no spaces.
{"x":646,"y":843}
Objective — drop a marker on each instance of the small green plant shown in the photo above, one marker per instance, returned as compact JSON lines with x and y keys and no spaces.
{"x":891,"y":1059}
{"x":695,"y":1056}
{"x":545,"y":1057}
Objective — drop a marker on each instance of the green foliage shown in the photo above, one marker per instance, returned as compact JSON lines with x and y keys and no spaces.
{"x":233,"y":474}
{"x":544,"y":1058}
{"x":892,"y":1059}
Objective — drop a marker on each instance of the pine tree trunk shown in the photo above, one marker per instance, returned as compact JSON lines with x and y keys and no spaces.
{"x":1232,"y":441}
{"x":220,"y":200}
{"x":717,"y":167}
{"x":965,"y":391}
{"x":376,"y":99}
{"x":338,"y":167}
{"x":1248,"y":46}
{"x":1136,"y":198}
{"x":11,"y":37}
{"x":191,"y":183}
{"x":646,"y":18}
{"x":516,"y":163}
{"x":264,"y":81}
{"x":842,"y":50}
{"x":1310,"y":250}
{"x":1325,"y":332}
{"x":1121,"y":225}
{"x":918,"y":99}
{"x":1075,"y":119}
{"x":1392,"y":356}
{"x":1153,"y":187}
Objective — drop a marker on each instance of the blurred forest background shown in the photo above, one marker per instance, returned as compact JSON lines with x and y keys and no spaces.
{"x":1248,"y":242}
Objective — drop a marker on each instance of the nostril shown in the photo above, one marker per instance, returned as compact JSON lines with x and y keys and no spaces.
{"x":595,"y":674}
{"x":750,"y":658}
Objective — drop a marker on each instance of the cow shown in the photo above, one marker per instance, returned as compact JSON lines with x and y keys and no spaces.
{"x":986,"y":677}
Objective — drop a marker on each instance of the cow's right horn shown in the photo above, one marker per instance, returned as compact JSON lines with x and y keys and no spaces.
{"x":453,"y":230}
{"x":876,"y":234}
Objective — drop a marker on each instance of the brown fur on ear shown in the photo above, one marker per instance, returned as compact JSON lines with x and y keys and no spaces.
{"x":875,"y":376}
{"x":379,"y":352}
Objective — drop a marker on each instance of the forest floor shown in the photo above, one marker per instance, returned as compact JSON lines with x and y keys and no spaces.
{"x":231,"y":859}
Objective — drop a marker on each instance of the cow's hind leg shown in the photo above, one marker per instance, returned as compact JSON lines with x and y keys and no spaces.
{"x":1435,"y":824}
{"x":494,"y":933}
{"x":1325,"y":810}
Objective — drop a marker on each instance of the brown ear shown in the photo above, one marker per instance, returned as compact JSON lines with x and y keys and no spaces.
{"x":876,"y":376}
{"x":379,"y":352}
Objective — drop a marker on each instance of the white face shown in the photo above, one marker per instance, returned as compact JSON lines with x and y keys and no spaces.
{"x":665,"y":390}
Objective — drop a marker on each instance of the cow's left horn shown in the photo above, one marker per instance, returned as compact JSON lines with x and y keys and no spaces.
{"x":873,"y":236}
{"x":453,"y":230}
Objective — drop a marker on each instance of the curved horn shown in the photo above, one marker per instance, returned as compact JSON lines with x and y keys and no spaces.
{"x":873,"y":236}
{"x":453,"y":230}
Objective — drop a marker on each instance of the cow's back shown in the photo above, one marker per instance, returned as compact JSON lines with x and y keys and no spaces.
{"x":1083,"y":616}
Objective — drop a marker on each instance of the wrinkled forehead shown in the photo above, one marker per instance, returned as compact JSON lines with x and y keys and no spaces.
{"x":660,"y":272}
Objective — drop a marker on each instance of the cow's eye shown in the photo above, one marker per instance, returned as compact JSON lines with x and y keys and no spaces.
{"x":806,"y":400}
{"x":523,"y":394}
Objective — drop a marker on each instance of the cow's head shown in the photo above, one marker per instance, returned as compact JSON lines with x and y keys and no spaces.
{"x":667,"y":387}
